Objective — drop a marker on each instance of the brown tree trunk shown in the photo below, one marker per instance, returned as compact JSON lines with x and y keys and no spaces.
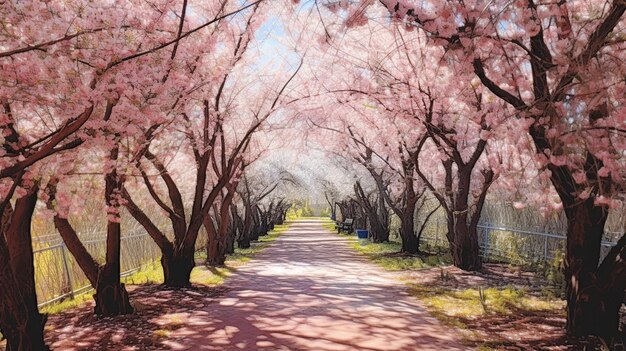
{"x":464,"y":246}
{"x":111,"y":296}
{"x":464,"y":237}
{"x":611,"y":281}
{"x":410,"y":244}
{"x":177,"y":269}
{"x":585,"y":227}
{"x":20,"y":321}
{"x":243,"y":242}
{"x":233,"y":229}
{"x":256,"y":224}
{"x":28,"y":332}
{"x":215,"y":249}
{"x":593,"y":294}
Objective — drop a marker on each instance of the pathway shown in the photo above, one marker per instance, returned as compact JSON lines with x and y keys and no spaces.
{"x":310,"y":291}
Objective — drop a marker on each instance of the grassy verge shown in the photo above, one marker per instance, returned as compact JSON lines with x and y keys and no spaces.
{"x":455,"y":305}
{"x":387,"y":255}
{"x":66,"y":304}
{"x":152,"y":273}
{"x":329,"y":224}
{"x":478,"y":312}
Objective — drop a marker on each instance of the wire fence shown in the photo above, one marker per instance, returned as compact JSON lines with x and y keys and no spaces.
{"x":508,"y":244}
{"x":58,"y":276}
{"x":518,"y":236}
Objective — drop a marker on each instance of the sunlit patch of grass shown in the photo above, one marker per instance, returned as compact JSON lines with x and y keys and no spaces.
{"x":367,"y":247}
{"x":463,"y":308}
{"x":467,"y":303}
{"x":159,"y":335}
{"x":174,"y":320}
{"x":329,"y":226}
{"x":209,"y":276}
{"x":383,"y":255}
{"x":151,"y":273}
{"x":66,"y":304}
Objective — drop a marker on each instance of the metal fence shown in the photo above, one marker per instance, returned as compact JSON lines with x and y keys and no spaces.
{"x":507,"y":243}
{"x":58,"y":276}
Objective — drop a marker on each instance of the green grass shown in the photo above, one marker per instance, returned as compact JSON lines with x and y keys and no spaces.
{"x":66,"y":304}
{"x":151,"y":273}
{"x":382,"y":255}
{"x":460,"y":307}
{"x":330,"y":225}
{"x":466,"y":303}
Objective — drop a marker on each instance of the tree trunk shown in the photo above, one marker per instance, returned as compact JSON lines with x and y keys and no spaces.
{"x":410,"y":244}
{"x":28,"y":332}
{"x":230,"y":243}
{"x":177,"y":269}
{"x":464,"y":238}
{"x":611,"y":281}
{"x":20,"y":321}
{"x":244,"y":241}
{"x":585,"y":227}
{"x":464,"y":246}
{"x":111,"y":296}
{"x":217,"y":253}
{"x":216,"y":245}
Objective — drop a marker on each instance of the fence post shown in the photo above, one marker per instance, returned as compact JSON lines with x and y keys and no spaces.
{"x":486,"y":245}
{"x":67,"y":271}
{"x":545,"y":248}
{"x":437,"y":236}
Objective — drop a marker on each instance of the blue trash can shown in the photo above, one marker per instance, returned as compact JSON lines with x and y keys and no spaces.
{"x":362,"y":233}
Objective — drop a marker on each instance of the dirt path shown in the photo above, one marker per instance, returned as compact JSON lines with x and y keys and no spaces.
{"x":310,"y":291}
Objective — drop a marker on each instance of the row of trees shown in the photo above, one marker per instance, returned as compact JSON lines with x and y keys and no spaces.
{"x":153,"y":107}
{"x":451,"y":99}
{"x":447,"y":100}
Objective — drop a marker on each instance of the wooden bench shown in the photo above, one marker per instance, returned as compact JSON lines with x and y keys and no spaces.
{"x":346,"y":226}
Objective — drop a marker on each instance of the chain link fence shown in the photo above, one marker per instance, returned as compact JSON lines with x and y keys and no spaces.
{"x":507,"y":244}
{"x":517,"y":236}
{"x":58,"y":276}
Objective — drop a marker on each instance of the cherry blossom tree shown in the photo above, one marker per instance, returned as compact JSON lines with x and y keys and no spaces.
{"x":217,"y":130}
{"x":65,"y":67}
{"x":50,"y":90}
{"x":558,"y":65}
